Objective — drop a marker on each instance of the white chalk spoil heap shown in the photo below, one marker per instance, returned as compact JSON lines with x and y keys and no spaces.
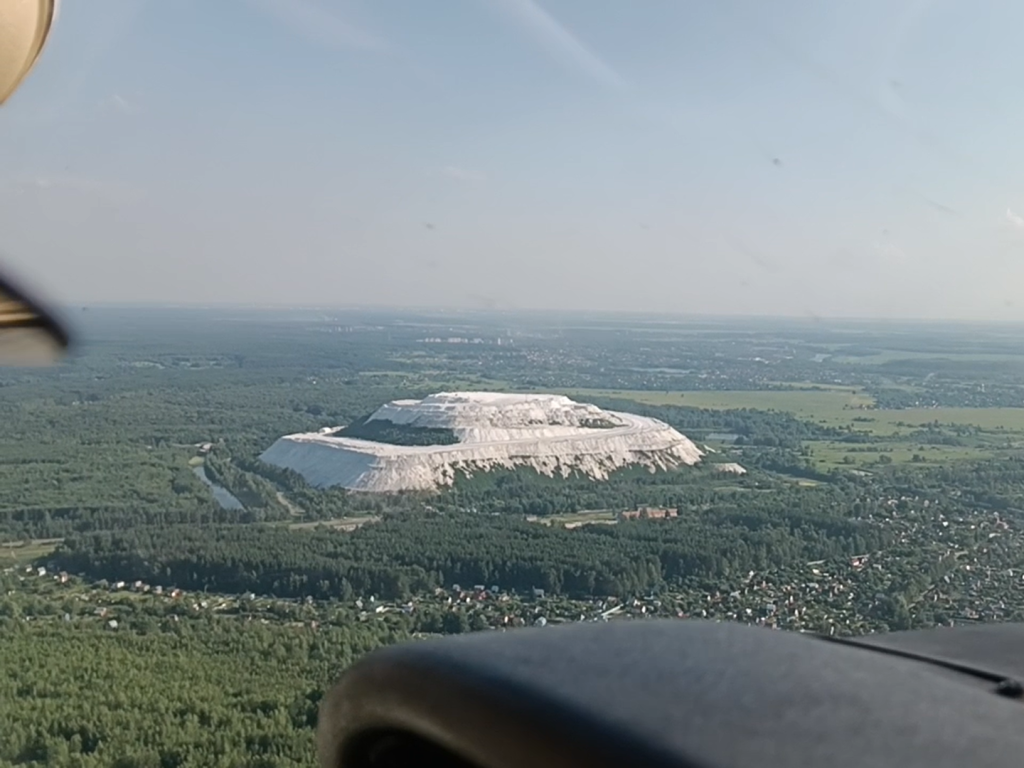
{"x":550,"y":433}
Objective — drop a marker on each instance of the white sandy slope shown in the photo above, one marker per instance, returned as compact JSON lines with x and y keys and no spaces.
{"x":731,"y":468}
{"x":495,"y":430}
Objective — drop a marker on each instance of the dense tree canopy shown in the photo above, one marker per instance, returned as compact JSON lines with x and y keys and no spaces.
{"x":409,"y":554}
{"x":895,"y":500}
{"x":199,"y":694}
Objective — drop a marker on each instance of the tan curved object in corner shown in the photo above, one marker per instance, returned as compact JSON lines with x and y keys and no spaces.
{"x":24,"y":27}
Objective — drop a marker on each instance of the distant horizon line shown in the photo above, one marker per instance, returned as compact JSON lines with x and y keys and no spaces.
{"x":455,"y":310}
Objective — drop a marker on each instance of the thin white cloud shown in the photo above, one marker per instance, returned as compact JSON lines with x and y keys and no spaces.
{"x":550,"y":34}
{"x":462,"y":174}
{"x":322,"y":24}
{"x":1014,"y":219}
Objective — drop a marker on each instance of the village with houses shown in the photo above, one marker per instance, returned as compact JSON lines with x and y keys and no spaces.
{"x":843,"y":596}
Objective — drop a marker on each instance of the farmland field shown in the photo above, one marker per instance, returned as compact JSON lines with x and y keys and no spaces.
{"x":828,"y":454}
{"x":834,"y":406}
{"x":993,"y":430}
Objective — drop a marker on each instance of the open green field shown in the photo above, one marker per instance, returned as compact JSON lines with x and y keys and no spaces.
{"x":810,"y":385}
{"x":851,"y":407}
{"x":16,"y":553}
{"x":827,"y":454}
{"x":891,"y":355}
{"x":989,"y":419}
{"x":888,"y":422}
{"x":832,"y":406}
{"x":438,"y":380}
{"x":836,"y":406}
{"x":576,"y":519}
{"x":337,"y":523}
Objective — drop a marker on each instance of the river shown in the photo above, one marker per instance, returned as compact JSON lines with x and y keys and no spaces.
{"x":220,"y":493}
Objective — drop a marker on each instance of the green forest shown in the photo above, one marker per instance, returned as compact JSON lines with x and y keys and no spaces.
{"x":142,"y":623}
{"x":383,"y":431}
{"x":195,"y":693}
{"x":399,"y":557}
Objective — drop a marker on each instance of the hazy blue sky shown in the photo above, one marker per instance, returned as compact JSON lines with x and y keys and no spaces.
{"x":732,"y":156}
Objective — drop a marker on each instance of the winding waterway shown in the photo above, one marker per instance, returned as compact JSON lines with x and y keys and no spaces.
{"x":220,"y":493}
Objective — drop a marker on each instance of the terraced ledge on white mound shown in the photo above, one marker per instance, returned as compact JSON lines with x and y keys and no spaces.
{"x":549,"y":433}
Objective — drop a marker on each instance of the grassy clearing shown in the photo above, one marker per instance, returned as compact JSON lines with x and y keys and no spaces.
{"x":811,"y":385}
{"x":576,"y":519}
{"x":285,"y":502}
{"x":18,"y":553}
{"x":891,"y":355}
{"x":885,"y":423}
{"x":337,"y":523}
{"x":991,"y":419}
{"x":827,"y":454}
{"x":439,"y":380}
{"x":835,"y":406}
{"x":467,"y":384}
